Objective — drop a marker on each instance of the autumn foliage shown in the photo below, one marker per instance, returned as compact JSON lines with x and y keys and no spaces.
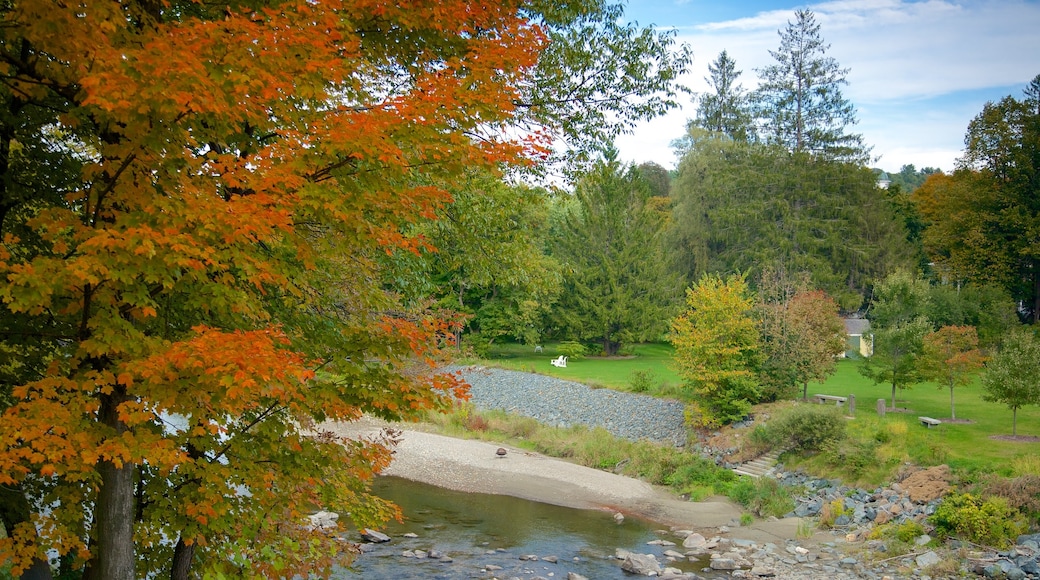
{"x":194,"y":199}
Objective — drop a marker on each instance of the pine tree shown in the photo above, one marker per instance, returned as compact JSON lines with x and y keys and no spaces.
{"x":727,"y":109}
{"x":616,"y":288}
{"x":799,"y":101}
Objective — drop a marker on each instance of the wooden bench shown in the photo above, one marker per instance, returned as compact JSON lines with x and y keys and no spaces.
{"x":929,"y":422}
{"x":838,"y":401}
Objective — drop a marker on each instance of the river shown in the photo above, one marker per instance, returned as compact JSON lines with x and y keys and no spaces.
{"x":480,"y":530}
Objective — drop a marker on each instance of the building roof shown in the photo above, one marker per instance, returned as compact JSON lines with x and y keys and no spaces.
{"x":855,"y":326}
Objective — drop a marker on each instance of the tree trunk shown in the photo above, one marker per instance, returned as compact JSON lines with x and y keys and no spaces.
{"x":953,"y":412}
{"x":14,"y":510}
{"x":805,"y":391}
{"x":113,"y":549}
{"x":893,"y":396}
{"x":1014,"y":422}
{"x":182,"y":557}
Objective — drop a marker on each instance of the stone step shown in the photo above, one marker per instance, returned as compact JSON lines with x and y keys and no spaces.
{"x":759,"y":466}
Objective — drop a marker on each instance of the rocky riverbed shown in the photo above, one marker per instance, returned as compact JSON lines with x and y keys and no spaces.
{"x":727,"y":550}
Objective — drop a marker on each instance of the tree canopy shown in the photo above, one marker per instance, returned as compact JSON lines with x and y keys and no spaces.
{"x":748,"y":207}
{"x":983,"y":222}
{"x":196,"y":206}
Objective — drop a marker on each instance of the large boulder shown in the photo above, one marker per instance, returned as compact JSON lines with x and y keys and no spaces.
{"x":641,"y":565}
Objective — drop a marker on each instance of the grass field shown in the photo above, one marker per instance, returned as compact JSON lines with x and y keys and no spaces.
{"x":967,"y":447}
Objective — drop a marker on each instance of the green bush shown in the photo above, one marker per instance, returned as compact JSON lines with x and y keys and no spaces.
{"x":763,"y":496}
{"x":572,"y":349}
{"x":642,"y":381}
{"x":810,"y":427}
{"x":990,"y":522}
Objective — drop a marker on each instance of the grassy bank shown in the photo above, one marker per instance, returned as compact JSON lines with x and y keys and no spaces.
{"x":876,"y":448}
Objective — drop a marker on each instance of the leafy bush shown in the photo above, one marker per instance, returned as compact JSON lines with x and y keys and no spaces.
{"x":763,"y":496}
{"x":642,"y":381}
{"x":810,"y":427}
{"x":909,"y":531}
{"x":991,"y":522}
{"x":572,"y":349}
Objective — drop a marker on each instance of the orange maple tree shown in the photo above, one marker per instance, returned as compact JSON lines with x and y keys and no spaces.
{"x":194,"y":199}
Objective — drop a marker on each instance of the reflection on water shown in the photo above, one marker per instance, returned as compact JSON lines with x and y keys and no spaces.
{"x":477,"y":530}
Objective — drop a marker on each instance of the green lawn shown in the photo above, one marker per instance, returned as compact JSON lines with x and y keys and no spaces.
{"x":615,"y":373}
{"x":965,"y":446}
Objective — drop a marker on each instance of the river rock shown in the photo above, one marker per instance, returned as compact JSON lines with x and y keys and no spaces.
{"x":928,"y":559}
{"x":694,"y":541}
{"x":324,"y":520}
{"x":575,"y":576}
{"x":723,"y":563}
{"x":374,"y":536}
{"x":641,"y":564}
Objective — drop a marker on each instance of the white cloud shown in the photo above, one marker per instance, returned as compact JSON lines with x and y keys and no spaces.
{"x":905,"y":59}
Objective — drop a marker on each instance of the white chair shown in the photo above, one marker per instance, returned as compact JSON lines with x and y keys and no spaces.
{"x":559,"y":362}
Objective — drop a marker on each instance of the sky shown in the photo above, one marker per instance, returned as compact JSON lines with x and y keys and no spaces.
{"x":919,"y":71}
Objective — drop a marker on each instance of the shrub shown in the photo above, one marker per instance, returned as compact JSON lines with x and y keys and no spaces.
{"x":831,"y":512}
{"x":642,"y":381}
{"x":1021,"y":493}
{"x":810,"y":427}
{"x":572,"y":349}
{"x":763,"y":496}
{"x":991,"y":522}
{"x":909,"y":531}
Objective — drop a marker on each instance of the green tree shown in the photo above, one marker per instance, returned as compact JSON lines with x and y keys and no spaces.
{"x":484,"y":258}
{"x":910,"y":178}
{"x":748,"y":207}
{"x":1013,"y":376}
{"x":898,"y":320}
{"x":950,"y":356}
{"x":983,"y":223}
{"x":597,"y":75}
{"x":717,"y":350}
{"x":726,"y":109}
{"x":658,"y":178}
{"x":616,"y":287}
{"x":799,"y":98}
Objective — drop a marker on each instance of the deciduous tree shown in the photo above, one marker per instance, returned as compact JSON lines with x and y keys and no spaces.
{"x":802,"y":336}
{"x":194,"y":204}
{"x":717,"y":350}
{"x":951,"y":357}
{"x":1013,"y":376}
{"x":898,"y":319}
{"x":983,"y":222}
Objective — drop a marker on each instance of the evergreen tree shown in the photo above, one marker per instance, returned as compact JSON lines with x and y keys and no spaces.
{"x":745,"y":207}
{"x":616,"y":288}
{"x":726,"y":109}
{"x":799,"y":100}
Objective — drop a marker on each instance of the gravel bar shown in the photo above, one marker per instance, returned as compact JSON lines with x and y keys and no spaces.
{"x":561,"y":403}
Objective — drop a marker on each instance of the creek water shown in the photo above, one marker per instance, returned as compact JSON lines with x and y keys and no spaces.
{"x":478,"y":530}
